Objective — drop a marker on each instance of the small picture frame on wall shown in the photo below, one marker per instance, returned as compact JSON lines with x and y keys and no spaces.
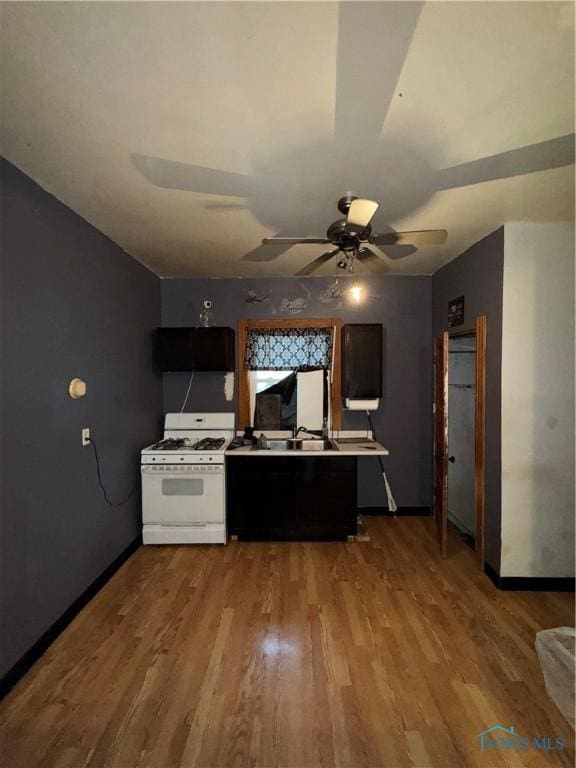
{"x":456,"y":312}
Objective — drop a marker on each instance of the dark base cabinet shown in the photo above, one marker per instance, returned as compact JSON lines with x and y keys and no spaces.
{"x":288,"y":498}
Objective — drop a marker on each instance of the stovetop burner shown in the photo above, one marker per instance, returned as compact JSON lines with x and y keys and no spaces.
{"x":210,"y":444}
{"x":177,"y":443}
{"x":172,"y":444}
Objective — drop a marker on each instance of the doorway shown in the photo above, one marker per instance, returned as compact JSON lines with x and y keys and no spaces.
{"x":459,"y":434}
{"x":461,"y":401}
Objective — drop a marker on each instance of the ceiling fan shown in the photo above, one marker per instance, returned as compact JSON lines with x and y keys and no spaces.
{"x":354,"y":240}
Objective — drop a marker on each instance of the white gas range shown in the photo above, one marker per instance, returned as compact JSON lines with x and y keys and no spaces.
{"x":183,"y":480}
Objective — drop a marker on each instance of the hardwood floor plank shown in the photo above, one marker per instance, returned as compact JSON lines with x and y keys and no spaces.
{"x":296,"y":655}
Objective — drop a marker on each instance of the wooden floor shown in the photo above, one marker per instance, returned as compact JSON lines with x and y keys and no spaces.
{"x":324,"y":654}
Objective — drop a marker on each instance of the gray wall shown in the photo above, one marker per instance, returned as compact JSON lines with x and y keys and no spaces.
{"x":401,"y":304}
{"x":538,"y":366}
{"x":72,"y":304}
{"x":478,"y":275}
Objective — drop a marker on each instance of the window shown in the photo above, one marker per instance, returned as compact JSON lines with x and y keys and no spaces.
{"x":302,"y":405}
{"x":264,"y":379}
{"x":269,"y":349}
{"x":258,"y":381}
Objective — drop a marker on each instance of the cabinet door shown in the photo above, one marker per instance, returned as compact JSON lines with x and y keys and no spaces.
{"x":329,"y":489}
{"x":213,"y":349}
{"x":291,"y":499}
{"x":195,"y":349}
{"x":174,"y":349}
{"x":362,"y":361}
{"x":262,"y":501}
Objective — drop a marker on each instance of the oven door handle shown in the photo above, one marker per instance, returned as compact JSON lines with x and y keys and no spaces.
{"x":161,"y":470}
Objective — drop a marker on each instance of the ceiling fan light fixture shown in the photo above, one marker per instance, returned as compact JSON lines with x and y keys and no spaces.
{"x":360,"y":213}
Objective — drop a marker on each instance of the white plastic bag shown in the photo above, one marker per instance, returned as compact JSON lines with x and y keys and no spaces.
{"x":556,"y":651}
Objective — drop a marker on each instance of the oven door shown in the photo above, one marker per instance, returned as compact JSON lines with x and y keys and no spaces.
{"x":183,"y":494}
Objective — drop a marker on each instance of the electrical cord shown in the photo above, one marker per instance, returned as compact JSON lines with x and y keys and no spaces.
{"x":187,"y":392}
{"x":101,"y":484}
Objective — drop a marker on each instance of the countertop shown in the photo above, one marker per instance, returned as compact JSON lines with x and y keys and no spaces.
{"x":349,"y":450}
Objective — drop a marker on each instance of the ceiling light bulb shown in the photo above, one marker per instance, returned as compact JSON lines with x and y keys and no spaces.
{"x":356,"y":293}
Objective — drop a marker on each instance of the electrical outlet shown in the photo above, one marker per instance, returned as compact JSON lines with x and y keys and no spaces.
{"x":86,"y":436}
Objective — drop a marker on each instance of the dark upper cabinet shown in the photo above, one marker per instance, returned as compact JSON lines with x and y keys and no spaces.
{"x":213,"y":349}
{"x":195,"y":349}
{"x":362,"y":361}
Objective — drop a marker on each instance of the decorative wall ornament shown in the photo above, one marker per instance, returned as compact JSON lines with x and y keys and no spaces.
{"x":297,"y":305}
{"x":333,"y":294}
{"x":253,"y":298}
{"x":293,"y":306}
{"x":456,"y":312}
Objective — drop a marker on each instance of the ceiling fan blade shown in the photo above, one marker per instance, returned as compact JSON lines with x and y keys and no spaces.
{"x":268,"y":253}
{"x":395,"y":252}
{"x":369,"y":258}
{"x":417,"y":237}
{"x":317,"y":263}
{"x":360,"y":213}
{"x":293,"y":240}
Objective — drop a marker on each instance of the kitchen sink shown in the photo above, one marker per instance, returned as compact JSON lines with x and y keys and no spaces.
{"x":315,"y":445}
{"x":293,"y":444}
{"x":265,"y":444}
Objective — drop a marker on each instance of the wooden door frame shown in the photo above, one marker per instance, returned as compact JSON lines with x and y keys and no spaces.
{"x":301,"y":322}
{"x":441,"y":437}
{"x":479,"y":333}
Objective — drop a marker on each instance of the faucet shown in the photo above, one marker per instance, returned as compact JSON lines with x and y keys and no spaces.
{"x":296,"y":431}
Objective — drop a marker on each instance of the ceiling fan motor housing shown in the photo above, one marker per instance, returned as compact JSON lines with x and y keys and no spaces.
{"x":340,"y":234}
{"x":345,"y":202}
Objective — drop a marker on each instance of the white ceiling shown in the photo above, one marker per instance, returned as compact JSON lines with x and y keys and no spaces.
{"x":189,"y":131}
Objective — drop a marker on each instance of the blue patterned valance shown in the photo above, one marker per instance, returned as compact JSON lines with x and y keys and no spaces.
{"x":279,"y":349}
